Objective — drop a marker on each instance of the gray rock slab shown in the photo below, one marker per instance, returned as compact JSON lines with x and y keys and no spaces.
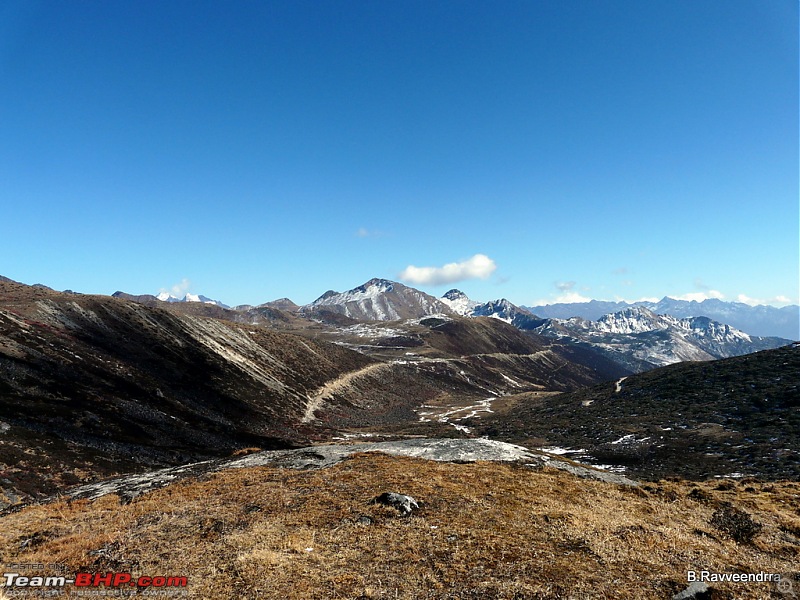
{"x":319,"y":457}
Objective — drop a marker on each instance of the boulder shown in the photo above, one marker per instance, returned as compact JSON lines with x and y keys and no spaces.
{"x":404,"y":504}
{"x":697,"y":590}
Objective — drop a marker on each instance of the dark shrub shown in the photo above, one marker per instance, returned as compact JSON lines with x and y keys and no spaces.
{"x":736,"y":523}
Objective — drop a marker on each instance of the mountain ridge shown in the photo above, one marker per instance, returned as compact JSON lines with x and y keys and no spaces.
{"x":96,"y":385}
{"x":636,"y":333}
{"x":635,"y":337}
{"x":761,"y":320}
{"x":379,"y":300}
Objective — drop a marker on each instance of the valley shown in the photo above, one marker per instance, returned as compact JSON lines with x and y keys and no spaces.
{"x":148,"y":400}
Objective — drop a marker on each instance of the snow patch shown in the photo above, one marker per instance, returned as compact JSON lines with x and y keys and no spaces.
{"x":629,"y":439}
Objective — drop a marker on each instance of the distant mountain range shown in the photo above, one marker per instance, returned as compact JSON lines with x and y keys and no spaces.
{"x":634,"y":336}
{"x":637,"y":336}
{"x":151,"y":299}
{"x":756,"y":320}
{"x":167,"y":297}
{"x":385,"y":300}
{"x":641,"y":339}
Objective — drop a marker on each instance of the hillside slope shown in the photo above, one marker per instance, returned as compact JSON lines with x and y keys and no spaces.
{"x":91,"y":385}
{"x":737,"y":415}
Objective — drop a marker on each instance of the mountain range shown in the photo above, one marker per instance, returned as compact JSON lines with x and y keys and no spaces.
{"x":761,"y":320}
{"x":640,"y":339}
{"x":92,"y":386}
{"x":97,"y":387}
{"x":636,"y":337}
{"x":382,"y":299}
{"x":167,"y":297}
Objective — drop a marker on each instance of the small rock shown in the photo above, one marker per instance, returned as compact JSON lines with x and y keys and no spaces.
{"x":404,"y":504}
{"x":364,"y":520}
{"x":697,"y":590}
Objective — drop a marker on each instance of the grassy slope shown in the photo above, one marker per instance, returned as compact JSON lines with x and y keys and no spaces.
{"x":484,"y":531}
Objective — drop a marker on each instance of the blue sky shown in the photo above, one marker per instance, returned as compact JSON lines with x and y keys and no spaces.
{"x":253,"y":150}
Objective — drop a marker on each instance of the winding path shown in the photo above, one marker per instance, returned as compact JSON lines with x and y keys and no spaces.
{"x":336,"y":385}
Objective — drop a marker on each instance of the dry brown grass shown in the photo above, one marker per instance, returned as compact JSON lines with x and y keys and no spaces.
{"x":483,"y":531}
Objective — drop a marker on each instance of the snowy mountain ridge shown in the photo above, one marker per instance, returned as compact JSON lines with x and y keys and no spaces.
{"x":379,"y":300}
{"x":761,"y":320}
{"x":637,"y":334}
{"x":167,"y":297}
{"x":639,"y":319}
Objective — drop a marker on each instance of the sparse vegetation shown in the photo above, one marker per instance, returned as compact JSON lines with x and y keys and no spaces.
{"x":736,"y":523}
{"x":693,"y":420}
{"x":484,"y":530}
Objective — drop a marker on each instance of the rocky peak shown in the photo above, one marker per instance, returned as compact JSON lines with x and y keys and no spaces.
{"x":455,"y":294}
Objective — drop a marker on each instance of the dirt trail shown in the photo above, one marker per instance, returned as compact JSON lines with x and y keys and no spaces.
{"x":315,"y":402}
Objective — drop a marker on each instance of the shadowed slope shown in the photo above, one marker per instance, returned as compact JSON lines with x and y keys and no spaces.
{"x":739,"y":414}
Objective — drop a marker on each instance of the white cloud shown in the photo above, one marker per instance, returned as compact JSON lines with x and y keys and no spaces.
{"x":777,"y":300}
{"x":479,"y":266}
{"x":635,"y":300}
{"x":363,"y":232}
{"x":565,"y":286}
{"x":700,"y":296}
{"x":567,"y":296}
{"x":748,"y":300}
{"x":570,"y":297}
{"x":179,"y":289}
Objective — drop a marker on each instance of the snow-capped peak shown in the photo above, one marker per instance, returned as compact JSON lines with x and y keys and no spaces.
{"x":167,"y":297}
{"x":455,"y":294}
{"x":636,"y":319}
{"x":368,"y":291}
{"x":459,"y":303}
{"x":379,"y":300}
